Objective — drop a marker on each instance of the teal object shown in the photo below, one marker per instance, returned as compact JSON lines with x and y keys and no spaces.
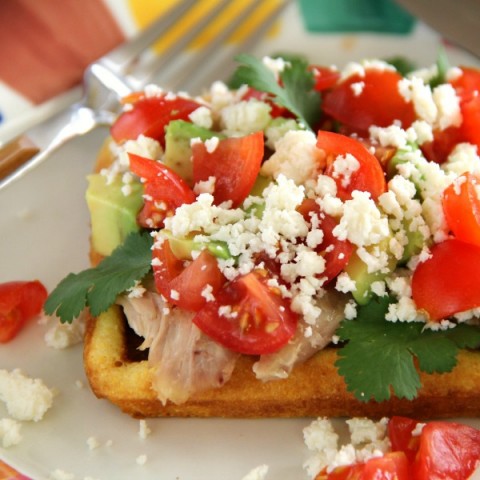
{"x":355,"y":16}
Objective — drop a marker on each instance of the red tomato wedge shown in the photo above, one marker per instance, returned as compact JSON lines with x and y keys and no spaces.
{"x":256,"y":319}
{"x":150,"y":115}
{"x":449,"y":281}
{"x":448,"y":451}
{"x":19,"y":302}
{"x":325,"y":77}
{"x":164,"y":190}
{"x":376,"y":102}
{"x":335,"y":252}
{"x":183,"y":285}
{"x":442,"y":144}
{"x":369,"y":176}
{"x":391,"y":466}
{"x":461,"y":206}
{"x":467,"y":86}
{"x":234,"y":163}
{"x":400,"y":433}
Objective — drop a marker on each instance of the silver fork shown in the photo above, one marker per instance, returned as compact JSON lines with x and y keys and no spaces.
{"x":129,"y":68}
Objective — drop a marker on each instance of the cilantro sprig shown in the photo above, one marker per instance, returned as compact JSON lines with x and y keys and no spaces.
{"x":295,"y":93}
{"x":98,"y":287}
{"x":380,"y":357}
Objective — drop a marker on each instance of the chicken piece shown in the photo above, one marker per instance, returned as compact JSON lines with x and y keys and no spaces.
{"x":308,"y":339}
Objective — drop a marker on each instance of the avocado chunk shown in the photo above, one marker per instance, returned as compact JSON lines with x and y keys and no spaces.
{"x":178,"y":152}
{"x":113,"y":215}
{"x":357,"y":270}
{"x":182,"y":248}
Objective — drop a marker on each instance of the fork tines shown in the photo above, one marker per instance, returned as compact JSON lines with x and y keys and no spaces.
{"x":197,"y":41}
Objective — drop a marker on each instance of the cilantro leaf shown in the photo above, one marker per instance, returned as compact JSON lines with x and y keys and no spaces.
{"x":379,"y":357}
{"x":296,"y":95}
{"x":443,"y":65}
{"x":98,"y":287}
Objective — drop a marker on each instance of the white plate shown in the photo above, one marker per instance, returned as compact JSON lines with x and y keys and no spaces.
{"x":44,"y":234}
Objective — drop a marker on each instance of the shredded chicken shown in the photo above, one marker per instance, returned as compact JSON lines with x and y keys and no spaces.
{"x":185,"y":360}
{"x":143,"y":315}
{"x":308,"y":340}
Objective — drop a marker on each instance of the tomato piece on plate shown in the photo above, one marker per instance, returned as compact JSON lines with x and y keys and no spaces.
{"x":373,"y":99}
{"x":248,"y":316}
{"x":447,"y":451}
{"x":234,"y":163}
{"x":392,"y":465}
{"x":344,"y":472}
{"x":461,"y":207}
{"x":335,"y":252}
{"x":164,"y":190}
{"x":400,"y":433}
{"x":19,"y":302}
{"x":449,"y":281}
{"x":150,"y":115}
{"x":367,"y":176}
{"x":183,"y":285}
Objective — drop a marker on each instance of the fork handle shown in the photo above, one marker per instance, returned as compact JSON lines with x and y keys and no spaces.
{"x":15,"y":153}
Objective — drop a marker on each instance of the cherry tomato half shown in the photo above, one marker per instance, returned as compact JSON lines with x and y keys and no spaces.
{"x":19,"y":302}
{"x":376,"y":102}
{"x":447,"y":451}
{"x":150,"y":115}
{"x":449,"y":281}
{"x":461,"y":206}
{"x":164,"y":190}
{"x":181,"y":284}
{"x":234,"y":163}
{"x":369,"y":176}
{"x":335,"y":252}
{"x":248,"y":316}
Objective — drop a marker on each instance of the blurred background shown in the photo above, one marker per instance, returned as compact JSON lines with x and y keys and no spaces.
{"x":45,"y":45}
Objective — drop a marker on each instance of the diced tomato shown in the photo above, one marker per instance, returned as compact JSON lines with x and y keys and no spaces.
{"x":377,"y":101}
{"x":344,"y":472}
{"x":400,"y":433}
{"x":461,"y":206}
{"x":19,"y":302}
{"x":325,"y":77}
{"x":449,"y":451}
{"x":248,"y":316}
{"x":234,"y":164}
{"x":451,"y":274}
{"x":150,"y":115}
{"x":467,"y":83}
{"x":164,"y":190}
{"x":335,"y":252}
{"x":442,"y":144}
{"x":183,"y":285}
{"x":369,"y":176}
{"x":391,"y":466}
{"x":471,"y":121}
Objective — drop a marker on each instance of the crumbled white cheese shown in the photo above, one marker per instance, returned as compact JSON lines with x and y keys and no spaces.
{"x":202,"y":117}
{"x":296,"y":156}
{"x":362,"y":222}
{"x":245,"y":117}
{"x":143,"y":429}
{"x":25,"y":398}
{"x":64,"y":335}
{"x":344,"y":167}
{"x":258,"y":473}
{"x":59,"y":474}
{"x":92,"y":443}
{"x":10,"y":432}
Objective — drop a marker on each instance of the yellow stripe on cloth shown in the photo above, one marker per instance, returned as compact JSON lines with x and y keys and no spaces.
{"x":145,"y":11}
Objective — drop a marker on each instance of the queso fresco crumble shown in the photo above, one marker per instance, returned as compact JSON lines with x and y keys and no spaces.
{"x":378,"y":228}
